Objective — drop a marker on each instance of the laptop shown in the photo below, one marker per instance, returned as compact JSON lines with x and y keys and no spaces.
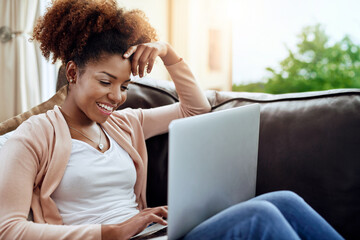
{"x":212,"y":166}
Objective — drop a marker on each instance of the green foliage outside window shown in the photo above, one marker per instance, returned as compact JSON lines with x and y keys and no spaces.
{"x":314,"y":66}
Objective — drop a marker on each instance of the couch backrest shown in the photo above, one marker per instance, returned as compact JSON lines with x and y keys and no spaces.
{"x":309,"y":143}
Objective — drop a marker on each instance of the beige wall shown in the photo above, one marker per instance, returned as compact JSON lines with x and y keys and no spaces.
{"x":202,"y":33}
{"x":158,"y":14}
{"x":199,"y":32}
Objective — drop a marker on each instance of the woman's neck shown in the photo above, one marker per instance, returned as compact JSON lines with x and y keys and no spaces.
{"x":74,"y":116}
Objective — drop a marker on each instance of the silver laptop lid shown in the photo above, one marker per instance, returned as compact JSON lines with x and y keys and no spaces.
{"x":212,"y":165}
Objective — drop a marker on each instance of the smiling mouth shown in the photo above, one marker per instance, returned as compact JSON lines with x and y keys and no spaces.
{"x":105,"y":108}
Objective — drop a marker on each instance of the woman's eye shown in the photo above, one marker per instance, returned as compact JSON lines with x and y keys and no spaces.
{"x":124,"y":88}
{"x":105,"y":83}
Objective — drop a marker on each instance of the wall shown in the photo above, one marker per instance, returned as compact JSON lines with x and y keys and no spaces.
{"x":158,"y":14}
{"x":199,"y":32}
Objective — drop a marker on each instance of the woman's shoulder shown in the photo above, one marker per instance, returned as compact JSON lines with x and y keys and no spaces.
{"x":40,"y":123}
{"x":126,"y":119}
{"x":41,"y":119}
{"x":127,"y":114}
{"x":35,"y":133}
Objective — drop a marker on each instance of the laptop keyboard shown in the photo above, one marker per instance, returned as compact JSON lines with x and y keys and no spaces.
{"x":153,"y":231}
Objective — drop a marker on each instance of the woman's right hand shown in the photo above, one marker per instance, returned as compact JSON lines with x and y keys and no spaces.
{"x":134,"y":225}
{"x":144,"y":54}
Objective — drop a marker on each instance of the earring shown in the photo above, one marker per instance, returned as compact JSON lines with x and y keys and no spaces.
{"x":71,"y":80}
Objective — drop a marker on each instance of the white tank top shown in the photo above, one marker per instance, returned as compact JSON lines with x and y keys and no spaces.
{"x":97,"y":188}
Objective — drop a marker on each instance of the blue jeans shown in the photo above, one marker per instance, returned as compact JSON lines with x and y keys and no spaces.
{"x":277,"y":215}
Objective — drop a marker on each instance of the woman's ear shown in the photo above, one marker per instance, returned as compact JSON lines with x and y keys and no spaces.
{"x":71,"y":69}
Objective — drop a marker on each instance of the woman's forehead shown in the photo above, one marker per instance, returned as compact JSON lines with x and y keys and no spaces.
{"x":113,"y":64}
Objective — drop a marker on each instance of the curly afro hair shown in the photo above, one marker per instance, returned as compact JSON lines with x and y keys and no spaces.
{"x":84,"y":30}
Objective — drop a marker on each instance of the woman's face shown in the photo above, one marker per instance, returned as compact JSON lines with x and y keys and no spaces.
{"x":100,"y":88}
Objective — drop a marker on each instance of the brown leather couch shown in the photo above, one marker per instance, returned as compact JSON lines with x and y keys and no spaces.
{"x":309,"y":143}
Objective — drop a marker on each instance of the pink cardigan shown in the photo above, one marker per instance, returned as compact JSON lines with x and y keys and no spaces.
{"x":33,"y":161}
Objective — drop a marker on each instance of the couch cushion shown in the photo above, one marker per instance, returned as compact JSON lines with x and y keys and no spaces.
{"x":12,"y":123}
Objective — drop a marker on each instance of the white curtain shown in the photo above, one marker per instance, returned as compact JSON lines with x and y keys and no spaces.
{"x":20,"y":64}
{"x":48,"y":71}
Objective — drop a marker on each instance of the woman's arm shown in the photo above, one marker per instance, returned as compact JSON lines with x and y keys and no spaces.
{"x":192,"y":99}
{"x":20,"y":170}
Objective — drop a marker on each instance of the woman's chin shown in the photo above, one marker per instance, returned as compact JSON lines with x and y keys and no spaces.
{"x":101,"y":120}
{"x":98,"y":118}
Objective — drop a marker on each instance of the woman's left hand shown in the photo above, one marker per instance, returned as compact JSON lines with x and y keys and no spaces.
{"x":145,"y":54}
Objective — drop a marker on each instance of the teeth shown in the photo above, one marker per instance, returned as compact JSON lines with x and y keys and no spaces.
{"x":106,"y":107}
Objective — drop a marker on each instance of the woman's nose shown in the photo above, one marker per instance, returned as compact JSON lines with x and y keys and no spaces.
{"x":116,"y":95}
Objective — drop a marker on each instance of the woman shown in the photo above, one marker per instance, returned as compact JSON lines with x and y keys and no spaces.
{"x":81,"y":167}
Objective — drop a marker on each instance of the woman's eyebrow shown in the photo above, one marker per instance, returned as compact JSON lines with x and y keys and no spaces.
{"x":110,"y":75}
